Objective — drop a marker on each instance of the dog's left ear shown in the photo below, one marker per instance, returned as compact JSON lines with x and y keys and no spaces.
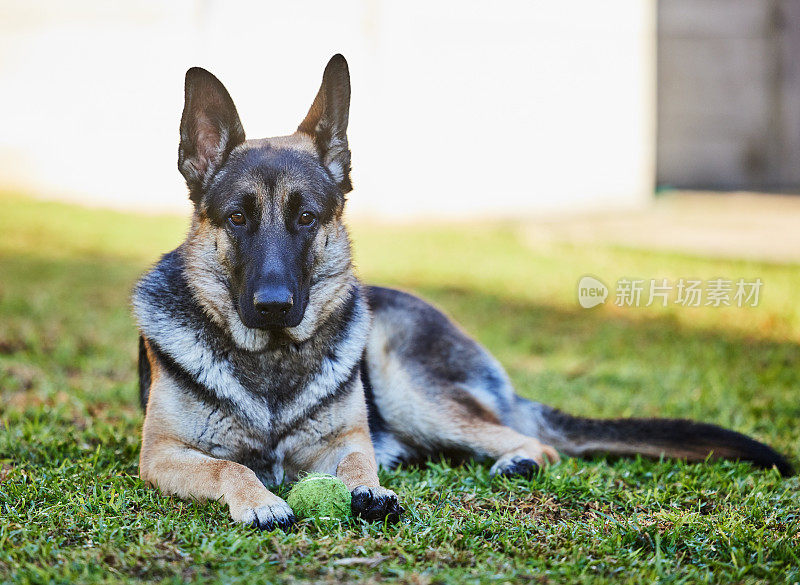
{"x":326,"y":121}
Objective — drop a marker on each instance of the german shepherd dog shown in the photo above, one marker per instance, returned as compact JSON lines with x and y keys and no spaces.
{"x":262,"y":356}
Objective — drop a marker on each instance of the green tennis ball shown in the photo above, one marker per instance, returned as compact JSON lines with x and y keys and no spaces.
{"x":318,"y":495}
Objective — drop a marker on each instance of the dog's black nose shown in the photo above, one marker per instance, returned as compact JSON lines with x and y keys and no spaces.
{"x":273,"y":303}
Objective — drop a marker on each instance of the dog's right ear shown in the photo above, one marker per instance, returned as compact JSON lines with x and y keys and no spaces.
{"x":210,"y":129}
{"x":326,"y":121}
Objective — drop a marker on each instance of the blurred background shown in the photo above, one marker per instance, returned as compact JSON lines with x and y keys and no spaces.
{"x":455,"y":107}
{"x":527,"y":107}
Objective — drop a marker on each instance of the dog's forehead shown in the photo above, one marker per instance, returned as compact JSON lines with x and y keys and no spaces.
{"x":273,"y":168}
{"x":274,"y":175}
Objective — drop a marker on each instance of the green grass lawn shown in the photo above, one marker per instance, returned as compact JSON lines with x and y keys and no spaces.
{"x":73,"y":510}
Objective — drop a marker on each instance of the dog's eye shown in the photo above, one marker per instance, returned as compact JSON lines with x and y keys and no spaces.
{"x":306,"y":218}
{"x":237,"y":218}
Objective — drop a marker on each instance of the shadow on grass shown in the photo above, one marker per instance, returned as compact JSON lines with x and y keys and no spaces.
{"x":68,"y":338}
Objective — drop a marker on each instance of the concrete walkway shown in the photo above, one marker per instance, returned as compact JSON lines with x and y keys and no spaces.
{"x":730,"y":225}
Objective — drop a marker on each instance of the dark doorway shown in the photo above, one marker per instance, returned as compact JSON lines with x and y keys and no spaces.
{"x":729,"y":94}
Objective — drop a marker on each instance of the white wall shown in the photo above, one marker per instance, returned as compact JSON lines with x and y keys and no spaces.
{"x":457,"y":108}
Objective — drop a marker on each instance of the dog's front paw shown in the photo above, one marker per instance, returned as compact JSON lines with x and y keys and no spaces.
{"x":268,"y":517}
{"x":376,"y":503}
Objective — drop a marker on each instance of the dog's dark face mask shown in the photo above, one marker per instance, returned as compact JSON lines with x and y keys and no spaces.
{"x":274,"y":199}
{"x":272,"y":204}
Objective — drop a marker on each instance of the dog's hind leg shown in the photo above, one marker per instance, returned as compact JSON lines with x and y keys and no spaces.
{"x":442,"y":418}
{"x":435,"y":390}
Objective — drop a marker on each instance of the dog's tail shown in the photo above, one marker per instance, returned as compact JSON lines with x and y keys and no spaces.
{"x":652,"y":437}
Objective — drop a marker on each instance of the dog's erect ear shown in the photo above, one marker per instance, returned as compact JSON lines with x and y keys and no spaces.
{"x":326,"y":121}
{"x":210,"y":129}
